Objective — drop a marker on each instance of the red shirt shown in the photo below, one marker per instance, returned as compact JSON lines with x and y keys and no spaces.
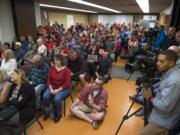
{"x":60,"y":78}
{"x":51,"y":45}
{"x":100,"y":99}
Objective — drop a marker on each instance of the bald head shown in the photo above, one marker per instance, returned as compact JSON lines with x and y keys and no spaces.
{"x":175,"y":49}
{"x":37,"y":59}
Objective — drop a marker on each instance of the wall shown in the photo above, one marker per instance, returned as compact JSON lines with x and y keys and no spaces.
{"x":61,"y":17}
{"x":24,"y":16}
{"x":37,"y":13}
{"x":7,"y":32}
{"x":165,"y":16}
{"x":111,"y":19}
{"x":93,"y":19}
{"x":138,"y":18}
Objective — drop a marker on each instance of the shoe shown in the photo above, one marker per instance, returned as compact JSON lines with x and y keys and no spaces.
{"x":56,"y":120}
{"x":94,"y":124}
{"x":46,"y":116}
{"x":140,"y":113}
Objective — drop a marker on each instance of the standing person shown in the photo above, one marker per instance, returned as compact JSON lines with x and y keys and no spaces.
{"x":166,"y":111}
{"x":91,"y":103}
{"x":59,"y":87}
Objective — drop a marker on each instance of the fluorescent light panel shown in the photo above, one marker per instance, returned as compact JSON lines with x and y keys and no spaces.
{"x":66,"y":8}
{"x":94,"y":5}
{"x":144,"y":5}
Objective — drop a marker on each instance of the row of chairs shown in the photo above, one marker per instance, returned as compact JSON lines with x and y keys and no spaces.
{"x":27,"y":68}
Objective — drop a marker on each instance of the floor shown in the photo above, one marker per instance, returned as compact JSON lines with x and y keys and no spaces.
{"x":118,"y":103}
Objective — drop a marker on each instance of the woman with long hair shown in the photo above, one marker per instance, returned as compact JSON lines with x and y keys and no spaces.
{"x":21,"y":96}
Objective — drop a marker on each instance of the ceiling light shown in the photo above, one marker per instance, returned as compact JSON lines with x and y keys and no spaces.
{"x":144,"y":5}
{"x":66,"y":8}
{"x":94,"y":5}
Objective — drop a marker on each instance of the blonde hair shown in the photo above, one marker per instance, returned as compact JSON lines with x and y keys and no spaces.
{"x":23,"y":75}
{"x":10,"y":54}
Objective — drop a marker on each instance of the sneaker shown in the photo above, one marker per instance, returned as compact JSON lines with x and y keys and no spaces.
{"x":56,"y":120}
{"x":140,"y":113}
{"x":94,"y":124}
{"x":46,"y":116}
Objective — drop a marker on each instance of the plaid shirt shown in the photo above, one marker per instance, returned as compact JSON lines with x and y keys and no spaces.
{"x":39,"y":74}
{"x":100,"y":99}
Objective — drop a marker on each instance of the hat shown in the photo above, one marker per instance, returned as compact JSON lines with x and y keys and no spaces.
{"x":18,"y":43}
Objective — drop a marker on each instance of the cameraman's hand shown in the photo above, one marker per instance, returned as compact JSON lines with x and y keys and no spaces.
{"x":147,"y":94}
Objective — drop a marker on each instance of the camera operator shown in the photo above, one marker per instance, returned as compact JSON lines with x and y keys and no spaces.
{"x":166,"y":111}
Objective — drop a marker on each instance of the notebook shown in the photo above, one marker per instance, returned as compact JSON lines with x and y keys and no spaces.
{"x":93,"y":58}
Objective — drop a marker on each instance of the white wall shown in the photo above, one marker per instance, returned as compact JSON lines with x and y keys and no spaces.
{"x":37,"y":13}
{"x":104,"y":19}
{"x":7,"y":32}
{"x":167,"y":11}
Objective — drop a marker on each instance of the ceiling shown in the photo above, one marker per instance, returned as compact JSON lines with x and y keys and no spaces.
{"x":125,"y":6}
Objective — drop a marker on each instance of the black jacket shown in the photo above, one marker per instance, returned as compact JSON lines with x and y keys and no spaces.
{"x":25,"y":102}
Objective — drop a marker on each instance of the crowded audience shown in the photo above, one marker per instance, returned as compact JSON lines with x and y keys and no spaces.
{"x":85,"y":54}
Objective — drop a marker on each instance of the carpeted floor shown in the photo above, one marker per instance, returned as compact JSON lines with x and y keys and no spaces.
{"x":120,"y":73}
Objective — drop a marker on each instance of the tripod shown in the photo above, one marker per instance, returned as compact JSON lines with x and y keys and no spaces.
{"x":127,"y":116}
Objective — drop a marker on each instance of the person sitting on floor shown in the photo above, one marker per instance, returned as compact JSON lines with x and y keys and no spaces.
{"x":59,"y":87}
{"x":91,"y":103}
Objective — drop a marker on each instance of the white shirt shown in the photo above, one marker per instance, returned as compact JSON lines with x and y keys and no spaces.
{"x":42,"y":50}
{"x":9,"y":66}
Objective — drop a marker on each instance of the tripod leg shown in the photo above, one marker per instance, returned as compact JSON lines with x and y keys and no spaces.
{"x":126,"y":116}
{"x":130,"y":75}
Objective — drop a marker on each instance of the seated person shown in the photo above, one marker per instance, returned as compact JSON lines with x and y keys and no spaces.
{"x":91,"y":103}
{"x":38,"y":77}
{"x":19,"y":52}
{"x":59,"y":87}
{"x":104,"y":66}
{"x":166,"y":112}
{"x":31,"y":53}
{"x":8,"y":62}
{"x":132,"y":43}
{"x":4,"y":91}
{"x":22,"y":97}
{"x":76,"y":65}
{"x":92,"y":60}
{"x":42,"y":49}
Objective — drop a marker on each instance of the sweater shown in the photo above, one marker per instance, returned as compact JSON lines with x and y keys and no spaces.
{"x":60,"y":78}
{"x":25,"y":101}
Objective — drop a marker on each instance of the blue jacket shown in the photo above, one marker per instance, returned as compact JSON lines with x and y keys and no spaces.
{"x":166,"y":104}
{"x":159,"y":41}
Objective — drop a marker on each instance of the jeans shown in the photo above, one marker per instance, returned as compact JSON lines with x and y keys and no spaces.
{"x":60,"y":96}
{"x":39,"y":90}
